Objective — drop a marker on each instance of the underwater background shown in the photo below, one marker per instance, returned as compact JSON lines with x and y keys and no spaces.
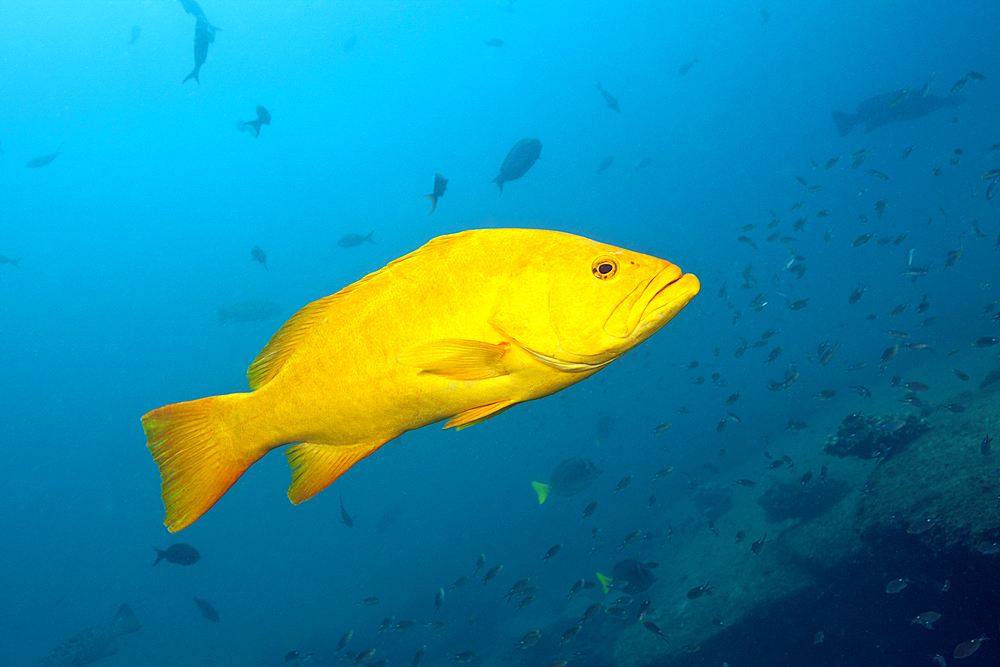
{"x":119,"y":251}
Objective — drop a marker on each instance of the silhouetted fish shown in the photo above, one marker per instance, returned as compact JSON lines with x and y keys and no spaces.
{"x":636,"y":573}
{"x":569,"y":478}
{"x":93,"y":643}
{"x":207,"y":610}
{"x":346,"y":518}
{"x":254,"y":310}
{"x":351,"y":240}
{"x":136,"y":33}
{"x":879,"y":110}
{"x":204,"y":35}
{"x":182,"y":554}
{"x":495,"y":42}
{"x":253,"y":126}
{"x":192,"y":8}
{"x":8,"y":260}
{"x":258,"y":254}
{"x":42,"y":160}
{"x":609,"y":98}
{"x":440,"y":183}
{"x":686,"y":67}
{"x":605,"y":163}
{"x":518,"y":161}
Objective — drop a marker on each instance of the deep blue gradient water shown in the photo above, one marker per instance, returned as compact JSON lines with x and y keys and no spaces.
{"x":142,"y":226}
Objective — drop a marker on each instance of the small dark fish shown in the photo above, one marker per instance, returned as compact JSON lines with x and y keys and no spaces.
{"x":609,"y":98}
{"x":371,"y":602}
{"x":492,"y":573}
{"x":697,"y":592}
{"x":803,"y":182}
{"x":792,"y":425}
{"x":519,"y":160}
{"x":257,"y":254}
{"x":589,"y":510}
{"x":746,"y":482}
{"x":877,"y":174}
{"x":862,"y":391}
{"x":438,"y":600}
{"x":495,"y":42}
{"x":740,"y":536}
{"x":756,"y":547}
{"x":863,"y":239}
{"x":832,"y":161}
{"x":207,"y":610}
{"x":346,"y":518}
{"x":992,"y":173}
{"x":352,"y":240}
{"x":8,"y":260}
{"x":419,"y":656}
{"x":798,"y":305}
{"x":649,"y":625}
{"x":662,"y":428}
{"x":643,"y":163}
{"x":984,"y":446}
{"x":907,"y":151}
{"x":889,"y":354}
{"x":985,"y":341}
{"x":959,"y":85}
{"x":625,"y":481}
{"x":807,"y":477}
{"x":953,"y":407}
{"x":42,"y":160}
{"x":253,"y":126}
{"x":136,"y":33}
{"x":552,"y":552}
{"x":440,"y":183}
{"x":686,"y":67}
{"x":605,"y":163}
{"x":182,"y":554}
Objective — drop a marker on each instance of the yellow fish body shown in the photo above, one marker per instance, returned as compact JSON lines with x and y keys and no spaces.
{"x":461,"y":329}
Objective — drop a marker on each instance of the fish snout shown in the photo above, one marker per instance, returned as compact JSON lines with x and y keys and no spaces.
{"x":652,"y":304}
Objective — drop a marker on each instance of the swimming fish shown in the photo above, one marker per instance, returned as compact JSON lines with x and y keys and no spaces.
{"x":568,"y":479}
{"x":605,"y":163}
{"x":182,"y":554}
{"x":609,"y":98}
{"x":253,"y":126}
{"x":8,"y":260}
{"x":346,"y":518}
{"x":207,"y":610}
{"x":686,"y":67}
{"x":495,"y":42}
{"x":136,"y":33}
{"x":351,"y":240}
{"x":411,"y":345}
{"x":440,"y":183}
{"x":93,"y":643}
{"x":42,"y":160}
{"x":254,"y":310}
{"x":258,"y":255}
{"x":204,"y":34}
{"x":879,"y":110}
{"x":518,"y":161}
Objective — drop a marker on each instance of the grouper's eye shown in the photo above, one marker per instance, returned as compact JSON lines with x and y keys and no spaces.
{"x":604,"y":267}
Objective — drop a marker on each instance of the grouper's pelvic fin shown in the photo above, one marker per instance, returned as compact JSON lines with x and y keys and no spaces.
{"x":198,"y":457}
{"x":542,"y":490}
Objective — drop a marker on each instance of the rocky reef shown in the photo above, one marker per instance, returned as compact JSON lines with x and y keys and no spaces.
{"x":800,"y":501}
{"x":875,"y":436}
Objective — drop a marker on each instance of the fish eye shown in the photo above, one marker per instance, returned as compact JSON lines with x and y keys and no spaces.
{"x":604,"y":267}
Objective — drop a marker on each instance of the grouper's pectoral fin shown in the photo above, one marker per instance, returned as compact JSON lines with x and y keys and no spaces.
{"x":479,"y":414}
{"x":457,"y":359}
{"x":315,"y":467}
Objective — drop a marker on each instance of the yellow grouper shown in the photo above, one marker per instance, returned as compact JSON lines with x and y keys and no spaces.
{"x":460,"y":329}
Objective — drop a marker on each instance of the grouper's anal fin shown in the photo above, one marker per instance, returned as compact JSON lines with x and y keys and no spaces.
{"x":315,"y":467}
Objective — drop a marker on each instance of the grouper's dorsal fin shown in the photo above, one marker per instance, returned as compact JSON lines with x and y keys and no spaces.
{"x":283,"y":342}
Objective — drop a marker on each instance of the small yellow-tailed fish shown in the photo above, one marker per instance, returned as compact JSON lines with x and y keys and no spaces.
{"x":461,"y":329}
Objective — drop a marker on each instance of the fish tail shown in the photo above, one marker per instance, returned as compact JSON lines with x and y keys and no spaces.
{"x":369,"y":237}
{"x":15,"y":262}
{"x":193,"y":75}
{"x":159,"y":555}
{"x":125,"y":621}
{"x":197,"y":454}
{"x":542,"y":490}
{"x":499,"y":181}
{"x":435,"y":202}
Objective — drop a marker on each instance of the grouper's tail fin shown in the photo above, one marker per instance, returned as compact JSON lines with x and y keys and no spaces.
{"x":197,"y":455}
{"x":845,"y":122}
{"x":125,"y":621}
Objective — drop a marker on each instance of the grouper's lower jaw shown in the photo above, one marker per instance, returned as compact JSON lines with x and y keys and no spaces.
{"x":666,"y":303}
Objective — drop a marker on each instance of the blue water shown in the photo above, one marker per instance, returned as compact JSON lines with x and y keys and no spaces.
{"x":142,"y":226}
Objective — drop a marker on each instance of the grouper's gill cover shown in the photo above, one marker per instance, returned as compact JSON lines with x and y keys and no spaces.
{"x":461,"y":329}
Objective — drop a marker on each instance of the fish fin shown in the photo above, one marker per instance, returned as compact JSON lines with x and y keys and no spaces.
{"x":159,"y":555}
{"x":283,"y":343}
{"x":605,"y":581}
{"x":457,"y":358}
{"x":315,"y":467}
{"x":433,"y":199}
{"x":196,"y":454}
{"x":480,"y":414}
{"x":499,"y":181}
{"x":125,"y":621}
{"x":193,"y":75}
{"x":542,"y":490}
{"x":845,"y":122}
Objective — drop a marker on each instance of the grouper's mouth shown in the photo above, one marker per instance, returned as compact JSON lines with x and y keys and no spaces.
{"x":652,"y":304}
